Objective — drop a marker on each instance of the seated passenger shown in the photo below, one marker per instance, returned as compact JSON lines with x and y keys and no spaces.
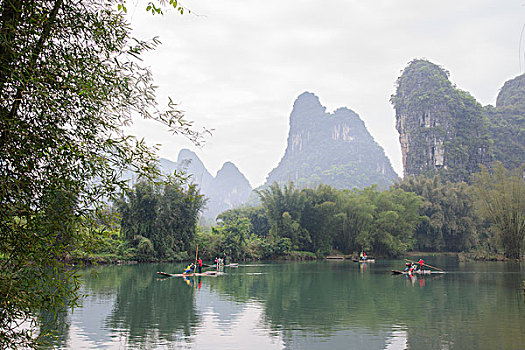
{"x":407,"y":266}
{"x":189,"y":269}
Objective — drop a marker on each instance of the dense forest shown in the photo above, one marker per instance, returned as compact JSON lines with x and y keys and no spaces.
{"x":158,"y":223}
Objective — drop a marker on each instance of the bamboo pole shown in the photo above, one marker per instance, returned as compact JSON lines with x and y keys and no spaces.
{"x":196,"y":254}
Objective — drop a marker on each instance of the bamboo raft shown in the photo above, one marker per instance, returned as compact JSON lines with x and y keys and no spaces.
{"x":207,"y":273}
{"x":417,"y":272}
{"x":364,"y":261}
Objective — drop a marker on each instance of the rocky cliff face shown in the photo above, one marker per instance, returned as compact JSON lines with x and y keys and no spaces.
{"x":507,"y":123}
{"x":330,"y":148}
{"x":441,"y":128}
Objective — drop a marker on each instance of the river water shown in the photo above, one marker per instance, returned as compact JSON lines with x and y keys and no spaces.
{"x":306,"y":305}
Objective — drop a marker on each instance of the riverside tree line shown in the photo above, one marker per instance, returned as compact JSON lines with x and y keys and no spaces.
{"x":418,"y":213}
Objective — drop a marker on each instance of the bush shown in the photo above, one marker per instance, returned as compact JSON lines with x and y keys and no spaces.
{"x":281,"y":246}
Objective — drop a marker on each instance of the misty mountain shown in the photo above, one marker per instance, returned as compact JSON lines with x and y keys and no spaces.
{"x":227,"y":190}
{"x":190,"y":163}
{"x":444,"y":130}
{"x":506,"y":123}
{"x":330,"y":148}
{"x":441,"y":128}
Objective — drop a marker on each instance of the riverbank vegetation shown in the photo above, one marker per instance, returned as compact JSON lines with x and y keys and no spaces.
{"x":70,"y":78}
{"x":416,"y":214}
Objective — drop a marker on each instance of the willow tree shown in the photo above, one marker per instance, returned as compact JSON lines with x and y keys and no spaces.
{"x":70,"y":78}
{"x":500,"y":198}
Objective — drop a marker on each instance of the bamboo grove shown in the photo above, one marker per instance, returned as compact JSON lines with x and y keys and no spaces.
{"x":416,"y":214}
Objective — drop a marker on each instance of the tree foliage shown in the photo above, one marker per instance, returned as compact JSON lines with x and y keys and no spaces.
{"x":165,"y":215}
{"x":259,"y":225}
{"x":318,"y":220}
{"x":450,"y":222}
{"x":500,"y":197}
{"x":70,"y":78}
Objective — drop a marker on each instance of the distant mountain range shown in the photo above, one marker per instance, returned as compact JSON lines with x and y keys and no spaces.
{"x":227,"y":190}
{"x":334,"y":149}
{"x":442,"y":129}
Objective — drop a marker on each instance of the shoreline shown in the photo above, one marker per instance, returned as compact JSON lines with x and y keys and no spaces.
{"x":478,"y":256}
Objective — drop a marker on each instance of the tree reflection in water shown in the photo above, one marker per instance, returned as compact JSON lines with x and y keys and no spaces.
{"x":300,"y":305}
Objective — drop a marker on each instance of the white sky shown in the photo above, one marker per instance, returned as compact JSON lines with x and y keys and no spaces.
{"x":237,"y":66}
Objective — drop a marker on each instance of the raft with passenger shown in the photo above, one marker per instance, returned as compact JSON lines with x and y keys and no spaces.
{"x":417,"y":272}
{"x":191,"y":274}
{"x":365,"y":260}
{"x":416,"y":268}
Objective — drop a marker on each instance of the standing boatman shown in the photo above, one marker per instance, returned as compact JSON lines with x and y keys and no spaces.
{"x":421,"y":262}
{"x":199,"y":264}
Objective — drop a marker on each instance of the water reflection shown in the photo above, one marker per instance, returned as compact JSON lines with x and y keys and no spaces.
{"x":221,"y":330}
{"x":300,"y":306}
{"x":398,"y":339}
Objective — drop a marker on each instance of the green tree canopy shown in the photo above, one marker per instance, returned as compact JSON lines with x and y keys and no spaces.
{"x":70,"y":78}
{"x":322,"y":218}
{"x":450,"y":222}
{"x":500,"y":197}
{"x":163,"y":214}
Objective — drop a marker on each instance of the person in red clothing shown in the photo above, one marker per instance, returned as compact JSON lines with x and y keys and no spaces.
{"x":199,"y":264}
{"x":421,"y":262}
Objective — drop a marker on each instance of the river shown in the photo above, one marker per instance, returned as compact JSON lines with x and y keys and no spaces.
{"x":301,"y":305}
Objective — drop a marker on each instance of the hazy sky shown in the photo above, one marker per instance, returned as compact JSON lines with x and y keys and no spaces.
{"x":236,"y":66}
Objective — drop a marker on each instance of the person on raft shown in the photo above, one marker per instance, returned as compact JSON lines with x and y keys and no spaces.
{"x":199,"y":265}
{"x":219,"y":262}
{"x":421,"y":262}
{"x":410,"y":268}
{"x":407,"y":266}
{"x":362,"y":256}
{"x":189,"y":269}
